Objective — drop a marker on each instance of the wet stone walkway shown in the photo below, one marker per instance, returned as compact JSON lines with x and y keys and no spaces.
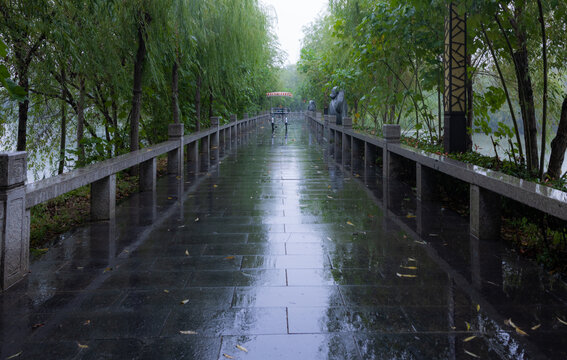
{"x":279,"y":253}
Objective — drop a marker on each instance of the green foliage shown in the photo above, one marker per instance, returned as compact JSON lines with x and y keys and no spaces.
{"x":227,"y":43}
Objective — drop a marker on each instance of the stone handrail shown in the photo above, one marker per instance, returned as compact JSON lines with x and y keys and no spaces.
{"x":17,"y":197}
{"x":485,"y":185}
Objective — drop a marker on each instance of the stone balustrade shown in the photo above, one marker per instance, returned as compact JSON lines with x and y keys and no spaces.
{"x":487,"y":187}
{"x":17,"y":197}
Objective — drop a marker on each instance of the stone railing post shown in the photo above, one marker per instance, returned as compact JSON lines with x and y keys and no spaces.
{"x":233,"y":127}
{"x":175,"y":157}
{"x":148,"y":175}
{"x":246,"y":123}
{"x":103,"y":198}
{"x":392,"y":135}
{"x":215,"y":121}
{"x":14,"y":219}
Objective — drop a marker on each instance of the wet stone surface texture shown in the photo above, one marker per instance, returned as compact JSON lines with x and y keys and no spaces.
{"x":278,"y":252}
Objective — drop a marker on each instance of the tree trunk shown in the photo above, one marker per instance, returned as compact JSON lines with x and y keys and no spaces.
{"x":526,"y":97}
{"x":211,"y":99}
{"x":175,"y":93}
{"x":544,"y":113}
{"x":81,"y":121}
{"x":137,"y":90}
{"x":198,"y":103}
{"x":470,"y":107}
{"x":23,"y":108}
{"x":558,"y":145}
{"x":63,"y":143}
{"x":508,"y":100}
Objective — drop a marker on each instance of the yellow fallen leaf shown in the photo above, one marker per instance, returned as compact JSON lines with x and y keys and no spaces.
{"x":227,"y":356}
{"x":561,"y":321}
{"x":471,"y":354}
{"x":409,"y":267}
{"x":242,"y":348}
{"x":166,"y":291}
{"x":183,"y":302}
{"x":534,"y":328}
{"x":411,"y":259}
{"x":468,"y":326}
{"x":349,"y":223}
{"x":521,"y":332}
{"x":196,"y":219}
{"x":421,"y":242}
{"x":169,"y":198}
{"x":406,"y":275}
{"x":86,"y":322}
{"x":187,"y":252}
{"x":229,"y":258}
{"x":107,"y":270}
{"x":330,"y":197}
{"x":410,"y":216}
{"x":81,"y":346}
{"x":469,"y":338}
{"x":478,"y":307}
{"x":510,"y":323}
{"x":328,"y":187}
{"x":14,"y":356}
{"x":215,"y":186}
{"x":188,"y":332}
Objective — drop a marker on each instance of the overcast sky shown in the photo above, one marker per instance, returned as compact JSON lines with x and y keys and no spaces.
{"x":292,"y":15}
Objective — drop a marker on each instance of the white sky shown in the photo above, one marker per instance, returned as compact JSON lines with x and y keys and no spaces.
{"x":292,"y":16}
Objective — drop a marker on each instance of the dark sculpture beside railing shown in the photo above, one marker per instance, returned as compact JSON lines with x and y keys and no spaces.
{"x":338,"y":105}
{"x":312,"y":106}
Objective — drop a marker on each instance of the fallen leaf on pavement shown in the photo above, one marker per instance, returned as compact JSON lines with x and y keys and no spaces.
{"x":14,"y":356}
{"x":241,"y":348}
{"x":471,"y":354}
{"x":183,"y":302}
{"x":188,"y":332}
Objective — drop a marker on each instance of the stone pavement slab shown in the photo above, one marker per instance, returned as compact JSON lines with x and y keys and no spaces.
{"x":282,"y":252}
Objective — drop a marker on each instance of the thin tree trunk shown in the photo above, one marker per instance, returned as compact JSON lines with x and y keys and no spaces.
{"x":439,"y":111}
{"x":211,"y":99}
{"x":525,"y":90}
{"x":23,"y":109}
{"x":470,"y":106}
{"x":505,"y":87}
{"x":81,"y":121}
{"x":198,"y":103}
{"x":63,"y":143}
{"x":544,"y":115}
{"x":527,"y":106}
{"x":175,"y":92}
{"x":558,"y":145}
{"x":137,"y":90}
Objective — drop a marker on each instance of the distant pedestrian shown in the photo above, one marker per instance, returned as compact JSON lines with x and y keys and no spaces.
{"x":273,"y":125}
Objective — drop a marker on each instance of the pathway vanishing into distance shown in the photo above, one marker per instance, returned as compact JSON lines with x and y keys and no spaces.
{"x":279,"y":253}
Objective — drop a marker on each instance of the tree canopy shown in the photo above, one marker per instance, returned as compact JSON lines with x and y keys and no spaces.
{"x":388,"y":57}
{"x":103,"y":77}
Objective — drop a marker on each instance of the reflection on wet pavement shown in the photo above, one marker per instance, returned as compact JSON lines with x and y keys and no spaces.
{"x":280,"y":253}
